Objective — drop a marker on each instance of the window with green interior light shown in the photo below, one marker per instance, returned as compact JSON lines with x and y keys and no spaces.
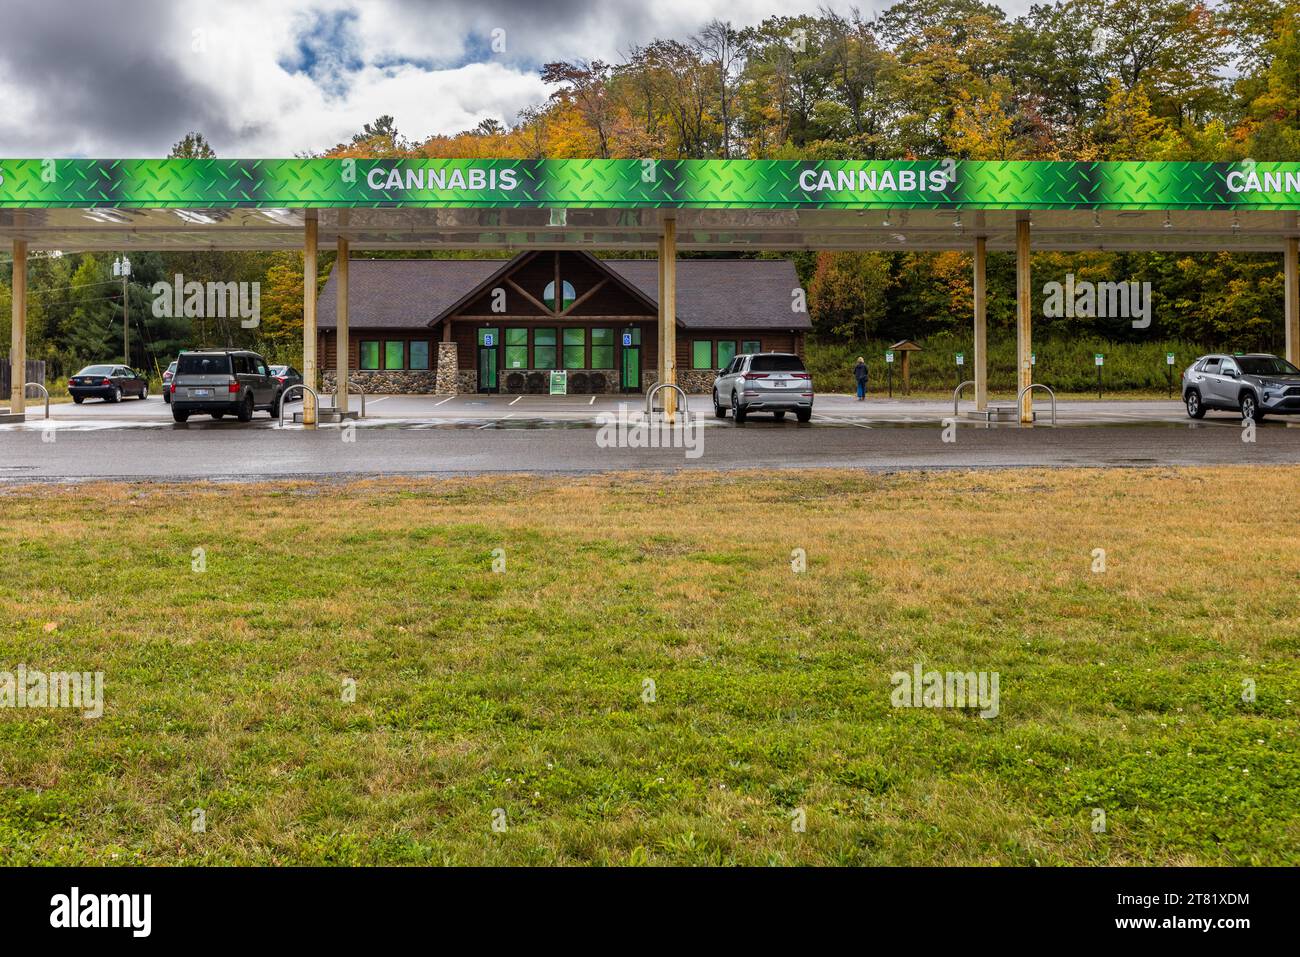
{"x":516,"y":348}
{"x":750,"y":346}
{"x":543,"y":348}
{"x":726,"y":352}
{"x":394,"y":354}
{"x":575,"y":348}
{"x":566,"y":288}
{"x":368,"y":353}
{"x":702,"y":354}
{"x":602,"y":348}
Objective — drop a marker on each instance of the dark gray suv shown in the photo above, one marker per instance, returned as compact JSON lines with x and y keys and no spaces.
{"x":775,"y":382}
{"x":1253,"y":385}
{"x":223,"y":382}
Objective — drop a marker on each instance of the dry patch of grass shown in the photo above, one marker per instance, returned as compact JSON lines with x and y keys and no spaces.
{"x":524,"y":690}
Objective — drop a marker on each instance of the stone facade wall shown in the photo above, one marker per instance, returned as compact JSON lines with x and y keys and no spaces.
{"x":697,"y":381}
{"x":386,"y":382}
{"x":448,"y":378}
{"x":692,"y":381}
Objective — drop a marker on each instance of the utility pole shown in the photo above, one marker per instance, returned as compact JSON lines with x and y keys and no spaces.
{"x":122,"y":267}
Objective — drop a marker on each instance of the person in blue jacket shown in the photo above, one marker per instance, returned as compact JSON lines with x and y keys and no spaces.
{"x":860,"y":374}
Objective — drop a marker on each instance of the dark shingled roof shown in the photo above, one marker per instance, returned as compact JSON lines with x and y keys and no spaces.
{"x":711,"y":293}
{"x":401,"y":293}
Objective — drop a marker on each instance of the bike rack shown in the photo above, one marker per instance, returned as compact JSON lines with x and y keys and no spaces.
{"x":1038,"y":385}
{"x":37,"y":385}
{"x":956,"y":394}
{"x":654,"y":389}
{"x":285,"y":394}
{"x":334,"y":397}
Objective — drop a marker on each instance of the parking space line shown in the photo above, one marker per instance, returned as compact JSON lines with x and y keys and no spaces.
{"x":516,"y":400}
{"x":856,"y":425}
{"x":593,"y":401}
{"x":444,"y":401}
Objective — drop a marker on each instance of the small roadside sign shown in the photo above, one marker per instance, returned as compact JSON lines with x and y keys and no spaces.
{"x":1099,"y":359}
{"x":889,"y":357}
{"x":1169,"y":358}
{"x":559,"y":382}
{"x":961,"y":358}
{"x":1033,"y":358}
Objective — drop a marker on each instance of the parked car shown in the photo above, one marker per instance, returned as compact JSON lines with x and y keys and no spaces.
{"x":107,"y":382}
{"x":288,"y":376}
{"x":221,"y":382}
{"x":167,"y":381}
{"x":775,"y":382}
{"x":1254,"y":385}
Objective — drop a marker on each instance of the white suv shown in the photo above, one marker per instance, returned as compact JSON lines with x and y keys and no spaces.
{"x":775,"y":382}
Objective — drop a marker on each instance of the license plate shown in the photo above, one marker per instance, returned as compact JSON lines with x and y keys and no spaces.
{"x":201,"y":393}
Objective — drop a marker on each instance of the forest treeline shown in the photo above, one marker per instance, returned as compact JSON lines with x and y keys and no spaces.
{"x":1077,"y":80}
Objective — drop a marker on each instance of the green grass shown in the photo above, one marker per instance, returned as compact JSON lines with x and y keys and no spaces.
{"x":523,"y":690}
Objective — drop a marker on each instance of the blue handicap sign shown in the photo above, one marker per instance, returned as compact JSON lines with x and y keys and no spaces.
{"x":627,"y":338}
{"x":489,"y":339}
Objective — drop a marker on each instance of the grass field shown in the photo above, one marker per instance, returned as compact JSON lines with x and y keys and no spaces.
{"x":524,"y":690}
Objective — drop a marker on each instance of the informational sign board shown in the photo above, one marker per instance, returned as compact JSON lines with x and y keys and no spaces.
{"x":1033,"y":358}
{"x":627,"y":339}
{"x":961,"y":358}
{"x":1099,"y":359}
{"x":489,"y":339}
{"x":559,"y":382}
{"x":889,"y":357}
{"x":1169,"y":358}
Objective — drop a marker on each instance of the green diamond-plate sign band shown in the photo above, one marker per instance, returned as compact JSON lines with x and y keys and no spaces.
{"x":707,"y":184}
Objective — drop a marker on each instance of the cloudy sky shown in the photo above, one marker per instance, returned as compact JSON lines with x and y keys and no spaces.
{"x":277,"y":77}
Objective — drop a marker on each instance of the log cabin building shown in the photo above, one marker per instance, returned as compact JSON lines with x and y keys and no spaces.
{"x":494,"y":325}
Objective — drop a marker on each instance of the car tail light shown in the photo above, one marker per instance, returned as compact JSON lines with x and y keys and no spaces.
{"x":233,"y":387}
{"x":107,"y":382}
{"x":280,"y":379}
{"x":173,"y":388}
{"x":800,"y":375}
{"x":755,"y":375}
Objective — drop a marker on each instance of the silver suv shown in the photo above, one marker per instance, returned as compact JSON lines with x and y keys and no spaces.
{"x":1253,"y":385}
{"x":775,"y":382}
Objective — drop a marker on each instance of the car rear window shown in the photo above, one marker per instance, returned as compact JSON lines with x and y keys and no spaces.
{"x":776,"y":364}
{"x":203,"y":365}
{"x":96,"y":370}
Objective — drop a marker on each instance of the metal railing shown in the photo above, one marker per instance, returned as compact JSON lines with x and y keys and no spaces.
{"x":285,"y":395}
{"x":956,"y":394}
{"x":1037,"y":385}
{"x":334,"y":398}
{"x":45,"y":391}
{"x":654,"y":389}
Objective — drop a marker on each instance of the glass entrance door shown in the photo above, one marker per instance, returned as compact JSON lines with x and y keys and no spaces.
{"x":631,"y":361}
{"x":488,"y":344}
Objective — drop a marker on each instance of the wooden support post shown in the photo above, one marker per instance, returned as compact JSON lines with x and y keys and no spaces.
{"x":18,"y":339}
{"x":309,"y":376}
{"x":668,"y":306}
{"x":1024,"y":323}
{"x":981,"y":358}
{"x":1291,"y":287}
{"x":341,"y":344}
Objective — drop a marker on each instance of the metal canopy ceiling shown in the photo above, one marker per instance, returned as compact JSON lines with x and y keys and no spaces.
{"x":109,"y":228}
